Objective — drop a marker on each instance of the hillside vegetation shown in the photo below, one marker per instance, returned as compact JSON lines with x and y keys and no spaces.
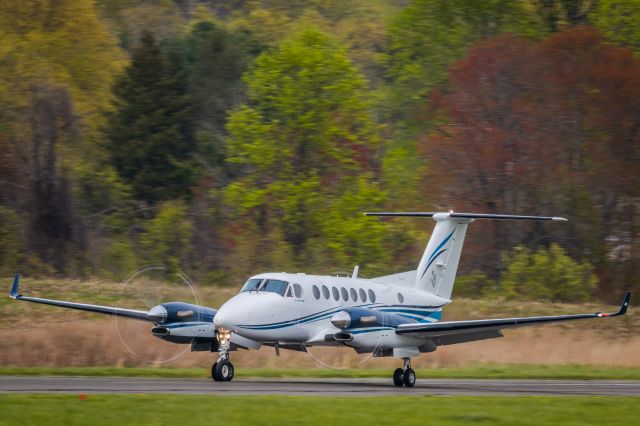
{"x":230,"y":137}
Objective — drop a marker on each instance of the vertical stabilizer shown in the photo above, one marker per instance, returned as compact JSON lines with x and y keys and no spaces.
{"x":439,"y":264}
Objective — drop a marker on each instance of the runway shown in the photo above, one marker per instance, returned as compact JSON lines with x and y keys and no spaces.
{"x":315,"y":387}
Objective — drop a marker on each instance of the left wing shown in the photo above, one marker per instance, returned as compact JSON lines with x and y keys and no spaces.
{"x":129,"y":313}
{"x":490,"y":327}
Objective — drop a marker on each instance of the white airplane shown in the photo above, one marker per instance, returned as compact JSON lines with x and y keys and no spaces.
{"x":395,"y":315}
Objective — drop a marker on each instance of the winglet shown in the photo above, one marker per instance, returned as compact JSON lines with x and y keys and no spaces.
{"x":623,"y":307}
{"x":625,"y":304}
{"x":15,"y":287}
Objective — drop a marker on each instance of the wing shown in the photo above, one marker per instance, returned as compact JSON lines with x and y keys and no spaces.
{"x":485,"y":329}
{"x":129,"y":313}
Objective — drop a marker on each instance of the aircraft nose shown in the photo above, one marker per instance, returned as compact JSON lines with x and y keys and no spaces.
{"x":221,"y":319}
{"x":228,"y":315}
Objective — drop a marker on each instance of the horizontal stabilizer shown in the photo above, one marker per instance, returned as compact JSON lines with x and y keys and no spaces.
{"x":467,"y":215}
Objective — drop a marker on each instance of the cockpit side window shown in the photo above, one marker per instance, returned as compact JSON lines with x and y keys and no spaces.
{"x":251,"y":285}
{"x":275,"y":286}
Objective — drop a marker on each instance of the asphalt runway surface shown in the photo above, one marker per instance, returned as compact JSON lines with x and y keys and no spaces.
{"x":316,"y":387}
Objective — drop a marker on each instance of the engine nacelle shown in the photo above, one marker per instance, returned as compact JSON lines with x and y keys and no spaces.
{"x":369,"y":330}
{"x":173,"y":312}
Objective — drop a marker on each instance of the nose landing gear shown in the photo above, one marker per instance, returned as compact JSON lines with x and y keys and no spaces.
{"x":404,"y":376}
{"x":222,"y":370}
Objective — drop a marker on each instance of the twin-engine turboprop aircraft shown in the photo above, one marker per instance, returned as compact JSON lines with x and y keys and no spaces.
{"x":394,"y":315}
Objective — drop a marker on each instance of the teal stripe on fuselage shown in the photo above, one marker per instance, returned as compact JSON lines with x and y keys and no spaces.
{"x":309,"y":318}
{"x":413,"y":314}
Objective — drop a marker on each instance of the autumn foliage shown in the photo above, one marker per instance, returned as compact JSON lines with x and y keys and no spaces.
{"x":551,"y":127}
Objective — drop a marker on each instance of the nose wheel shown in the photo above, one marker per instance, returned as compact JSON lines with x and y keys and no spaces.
{"x":404,"y":376}
{"x":222,"y":370}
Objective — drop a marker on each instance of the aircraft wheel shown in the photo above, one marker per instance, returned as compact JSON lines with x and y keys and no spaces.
{"x":398,"y":376}
{"x":213,"y":371}
{"x":223,"y":371}
{"x":409,"y":378}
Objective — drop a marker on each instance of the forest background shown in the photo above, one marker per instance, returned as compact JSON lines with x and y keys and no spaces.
{"x":225,"y":138}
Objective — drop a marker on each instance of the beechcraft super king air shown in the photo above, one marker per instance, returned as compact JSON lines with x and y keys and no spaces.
{"x":395,"y":315}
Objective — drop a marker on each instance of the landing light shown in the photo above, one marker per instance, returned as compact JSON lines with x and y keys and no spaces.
{"x":223,"y":335}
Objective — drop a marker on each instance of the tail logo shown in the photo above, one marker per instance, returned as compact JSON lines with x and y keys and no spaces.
{"x":435,"y":255}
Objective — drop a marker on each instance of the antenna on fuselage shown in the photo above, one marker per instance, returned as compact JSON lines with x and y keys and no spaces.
{"x":355,"y":271}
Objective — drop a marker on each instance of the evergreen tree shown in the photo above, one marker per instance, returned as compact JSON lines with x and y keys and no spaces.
{"x":151,"y":132}
{"x":215,"y":59}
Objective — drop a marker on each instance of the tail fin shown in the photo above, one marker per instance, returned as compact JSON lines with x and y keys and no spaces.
{"x":437,"y":269}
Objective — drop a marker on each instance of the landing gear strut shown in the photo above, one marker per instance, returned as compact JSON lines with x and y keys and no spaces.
{"x":222,"y":370}
{"x":405,"y":375}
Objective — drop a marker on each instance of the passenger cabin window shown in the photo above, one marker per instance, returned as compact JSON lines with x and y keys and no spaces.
{"x":354,"y":295}
{"x":297,"y":290}
{"x":345,"y":294}
{"x":336,"y":293}
{"x":325,"y":292}
{"x":275,"y":286}
{"x":251,"y":285}
{"x":363,"y":296}
{"x":316,"y":292}
{"x":372,"y":296}
{"x":400,"y":298}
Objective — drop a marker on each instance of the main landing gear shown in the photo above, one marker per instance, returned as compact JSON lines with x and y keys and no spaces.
{"x":404,"y":376}
{"x":222,"y":370}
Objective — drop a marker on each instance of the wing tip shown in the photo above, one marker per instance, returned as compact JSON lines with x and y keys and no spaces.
{"x":15,"y":288}
{"x":622,"y":310}
{"x":625,"y":304}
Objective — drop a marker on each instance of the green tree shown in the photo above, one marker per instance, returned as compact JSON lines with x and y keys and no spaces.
{"x":215,"y":60}
{"x":302,"y":140}
{"x":150,"y":132}
{"x":560,"y":14}
{"x":428,"y":35}
{"x":548,"y":274}
{"x":620,"y":21}
{"x":167,"y":240}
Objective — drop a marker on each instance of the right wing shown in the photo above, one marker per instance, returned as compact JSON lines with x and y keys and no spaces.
{"x":129,"y":313}
{"x":462,"y":331}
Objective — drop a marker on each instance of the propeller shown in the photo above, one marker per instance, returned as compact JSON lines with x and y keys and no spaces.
{"x":150,"y":287}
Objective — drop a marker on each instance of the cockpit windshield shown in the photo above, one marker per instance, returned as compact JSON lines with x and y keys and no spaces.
{"x":257,"y":284}
{"x":251,"y":285}
{"x":275,"y":286}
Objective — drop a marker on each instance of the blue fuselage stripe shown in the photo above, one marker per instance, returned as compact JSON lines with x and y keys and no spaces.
{"x":412,"y":314}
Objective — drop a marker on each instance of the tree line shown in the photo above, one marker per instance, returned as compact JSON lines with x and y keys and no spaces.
{"x":226,"y":138}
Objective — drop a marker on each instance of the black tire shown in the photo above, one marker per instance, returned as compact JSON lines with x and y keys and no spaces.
{"x":213,"y":372}
{"x":409,"y":378}
{"x":398,"y":377}
{"x":223,"y":371}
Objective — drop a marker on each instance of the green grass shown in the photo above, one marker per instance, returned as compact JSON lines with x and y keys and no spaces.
{"x":488,"y":371}
{"x":284,"y":410}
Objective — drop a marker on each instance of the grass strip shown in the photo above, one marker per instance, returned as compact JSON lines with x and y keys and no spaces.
{"x":290,"y":410}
